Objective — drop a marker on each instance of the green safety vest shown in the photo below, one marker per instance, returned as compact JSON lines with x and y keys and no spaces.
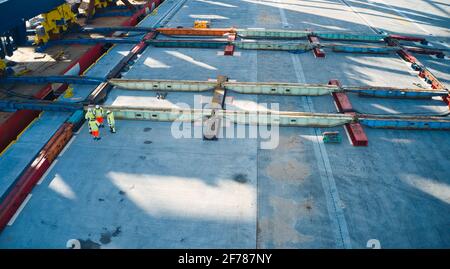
{"x":111,"y":119}
{"x":93,"y":125}
{"x":89,"y":115}
{"x":98,"y":112}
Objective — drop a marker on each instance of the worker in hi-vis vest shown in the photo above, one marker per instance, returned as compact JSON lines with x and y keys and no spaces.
{"x":89,"y":115}
{"x":111,"y":121}
{"x":98,"y":112}
{"x":93,"y":128}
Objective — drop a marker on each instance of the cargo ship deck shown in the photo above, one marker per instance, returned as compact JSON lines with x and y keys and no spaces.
{"x":144,"y":188}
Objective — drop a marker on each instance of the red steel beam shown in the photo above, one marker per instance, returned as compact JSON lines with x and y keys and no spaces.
{"x":354,"y":129}
{"x":438,"y":53}
{"x":13,"y":126}
{"x":342,"y":102}
{"x":229,"y":49}
{"x":318,"y":52}
{"x":357,"y":134}
{"x":408,"y":38}
{"x":407,"y":56}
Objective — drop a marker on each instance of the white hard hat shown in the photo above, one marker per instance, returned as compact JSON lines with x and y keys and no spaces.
{"x":97,"y":106}
{"x":109,"y":111}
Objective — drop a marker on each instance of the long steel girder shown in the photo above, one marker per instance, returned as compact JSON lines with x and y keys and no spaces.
{"x":295,"y":119}
{"x":244,"y":44}
{"x":51,"y":79}
{"x":282,"y":118}
{"x":296,"y":34}
{"x":273,"y":34}
{"x":271,"y":88}
{"x":405,"y":122}
{"x":249,"y":33}
{"x":301,"y":119}
{"x":185,"y":43}
{"x":269,"y":45}
{"x":251,"y":45}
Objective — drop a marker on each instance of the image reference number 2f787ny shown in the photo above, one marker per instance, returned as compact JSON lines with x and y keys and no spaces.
{"x":230,"y":258}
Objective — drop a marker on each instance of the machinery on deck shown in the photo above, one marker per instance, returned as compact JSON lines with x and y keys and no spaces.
{"x":53,"y":23}
{"x":14,"y":14}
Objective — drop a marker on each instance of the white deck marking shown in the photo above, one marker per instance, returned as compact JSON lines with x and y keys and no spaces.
{"x":333,"y":201}
{"x":334,"y":204}
{"x":22,"y":206}
{"x":284,"y":21}
{"x":47,"y":172}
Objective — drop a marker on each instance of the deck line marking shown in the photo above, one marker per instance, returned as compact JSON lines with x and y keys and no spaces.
{"x":254,"y":77}
{"x":282,"y":15}
{"x":404,"y":16}
{"x":333,"y":201}
{"x":47,"y":172}
{"x":22,"y":206}
{"x":337,"y":202}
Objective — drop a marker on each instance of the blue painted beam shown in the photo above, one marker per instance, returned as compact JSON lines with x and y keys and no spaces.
{"x":431,"y":123}
{"x":395,"y":93}
{"x":52,"y":79}
{"x":363,"y":49}
{"x":40,"y":105}
{"x":186,"y":43}
{"x":116,"y":29}
{"x":87,"y":41}
{"x":113,"y":14}
{"x":401,"y":94}
{"x":93,"y":41}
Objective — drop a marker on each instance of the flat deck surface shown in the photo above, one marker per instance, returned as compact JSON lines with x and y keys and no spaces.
{"x":143,"y":188}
